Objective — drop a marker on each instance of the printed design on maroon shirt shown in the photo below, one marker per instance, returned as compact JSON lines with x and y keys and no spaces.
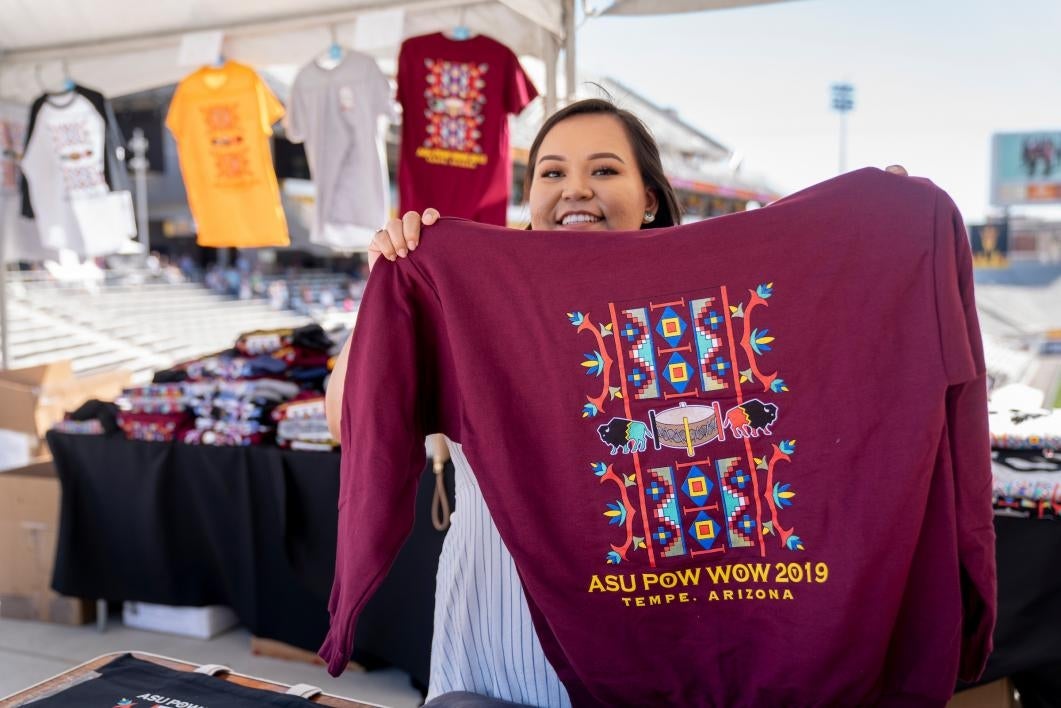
{"x":227,"y":145}
{"x":454,"y":97}
{"x":686,"y":412}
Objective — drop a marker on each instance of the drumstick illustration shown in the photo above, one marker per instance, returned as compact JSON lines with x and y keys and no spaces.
{"x":655,"y":432}
{"x":688,"y":436}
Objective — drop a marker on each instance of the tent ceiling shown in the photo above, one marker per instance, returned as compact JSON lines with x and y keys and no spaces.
{"x":666,"y":7}
{"x":120,"y":47}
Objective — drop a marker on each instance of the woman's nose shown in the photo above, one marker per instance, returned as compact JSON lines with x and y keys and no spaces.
{"x":575,"y":189}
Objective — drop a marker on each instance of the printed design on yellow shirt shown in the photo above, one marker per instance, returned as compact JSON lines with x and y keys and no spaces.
{"x":228,"y":148}
{"x":454,"y":100}
{"x":80,"y":166}
{"x":686,"y":413}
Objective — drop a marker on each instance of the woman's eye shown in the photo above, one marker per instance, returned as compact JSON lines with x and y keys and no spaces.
{"x":605,"y":171}
{"x":550,"y":173}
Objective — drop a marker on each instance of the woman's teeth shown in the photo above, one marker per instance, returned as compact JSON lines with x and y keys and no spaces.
{"x":579,"y":219}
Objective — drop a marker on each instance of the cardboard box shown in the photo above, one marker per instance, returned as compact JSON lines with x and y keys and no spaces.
{"x":198,"y":622}
{"x":997,"y":694}
{"x":34,"y":399}
{"x":29,"y":528}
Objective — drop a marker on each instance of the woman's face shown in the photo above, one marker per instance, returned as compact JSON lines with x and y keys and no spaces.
{"x":587,"y":179}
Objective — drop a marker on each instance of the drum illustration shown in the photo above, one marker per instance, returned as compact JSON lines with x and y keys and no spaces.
{"x":686,"y":427}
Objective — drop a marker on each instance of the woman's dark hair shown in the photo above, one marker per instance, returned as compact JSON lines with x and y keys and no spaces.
{"x":646,"y":152}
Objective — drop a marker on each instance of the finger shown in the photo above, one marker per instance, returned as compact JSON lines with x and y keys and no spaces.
{"x":373,"y":256}
{"x":411,"y":229}
{"x":430,"y":216}
{"x":397,"y":239}
{"x":383,"y":244}
{"x":897,"y":170}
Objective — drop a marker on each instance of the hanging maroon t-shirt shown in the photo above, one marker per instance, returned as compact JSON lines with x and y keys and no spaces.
{"x":743,"y":462}
{"x":456,"y":97}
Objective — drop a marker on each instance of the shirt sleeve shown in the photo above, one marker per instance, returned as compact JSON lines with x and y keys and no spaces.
{"x":396,"y":378}
{"x":269,"y":105}
{"x":175,"y":114}
{"x":519,"y":91}
{"x":968,"y":439}
{"x":293,"y":120}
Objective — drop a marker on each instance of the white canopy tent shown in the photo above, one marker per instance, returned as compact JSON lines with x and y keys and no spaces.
{"x":119,"y":46}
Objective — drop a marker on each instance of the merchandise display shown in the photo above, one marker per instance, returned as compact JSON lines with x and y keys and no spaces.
{"x":341,"y":115}
{"x":228,"y":398}
{"x":71,"y":175}
{"x":456,"y":96}
{"x":222,"y":118}
{"x":707,"y":381}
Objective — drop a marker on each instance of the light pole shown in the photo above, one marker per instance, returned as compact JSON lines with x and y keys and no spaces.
{"x":843,"y":102}
{"x":139,"y":163}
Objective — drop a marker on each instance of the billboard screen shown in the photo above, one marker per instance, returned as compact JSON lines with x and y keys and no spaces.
{"x":1026,"y":168}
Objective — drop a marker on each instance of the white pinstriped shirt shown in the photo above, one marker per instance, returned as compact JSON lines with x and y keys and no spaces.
{"x":484,"y":640}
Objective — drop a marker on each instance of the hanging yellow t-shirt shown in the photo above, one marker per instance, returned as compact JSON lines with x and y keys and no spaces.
{"x":222,"y":119}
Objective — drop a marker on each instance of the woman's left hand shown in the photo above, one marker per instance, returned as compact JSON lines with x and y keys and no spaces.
{"x":897,"y":170}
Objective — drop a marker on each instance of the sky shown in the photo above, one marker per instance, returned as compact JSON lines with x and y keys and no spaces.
{"x":933,"y":80}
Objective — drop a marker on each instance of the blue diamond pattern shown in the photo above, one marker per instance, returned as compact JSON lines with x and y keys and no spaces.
{"x":674,"y":338}
{"x":705,"y":543}
{"x":695,"y":476}
{"x":678,"y":385}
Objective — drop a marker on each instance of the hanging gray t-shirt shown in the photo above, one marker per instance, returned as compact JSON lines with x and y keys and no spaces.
{"x":341,"y":115}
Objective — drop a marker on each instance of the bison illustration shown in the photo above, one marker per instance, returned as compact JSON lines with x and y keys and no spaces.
{"x":626,"y":435}
{"x":751,"y":418}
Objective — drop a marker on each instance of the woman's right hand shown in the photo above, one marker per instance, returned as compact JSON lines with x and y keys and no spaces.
{"x":399,"y":236}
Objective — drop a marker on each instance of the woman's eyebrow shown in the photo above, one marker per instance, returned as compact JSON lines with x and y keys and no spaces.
{"x":612,"y":155}
{"x":543,"y":158}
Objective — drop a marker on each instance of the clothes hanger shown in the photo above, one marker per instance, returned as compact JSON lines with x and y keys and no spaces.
{"x":68,"y":83}
{"x":335,"y":53}
{"x":461,"y":31}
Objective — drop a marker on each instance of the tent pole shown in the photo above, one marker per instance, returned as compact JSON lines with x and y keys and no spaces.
{"x":5,"y":335}
{"x":552,"y":56}
{"x":569,"y":51}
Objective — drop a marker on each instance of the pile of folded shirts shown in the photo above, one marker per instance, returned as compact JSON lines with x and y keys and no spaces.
{"x":1026,"y":485}
{"x":235,"y":412}
{"x":156,"y":412}
{"x":1025,"y":430}
{"x":302,"y":425}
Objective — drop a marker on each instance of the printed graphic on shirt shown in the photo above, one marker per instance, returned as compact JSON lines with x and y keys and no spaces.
{"x":686,"y":412}
{"x":454,"y":97}
{"x":81,"y":166}
{"x":228,"y":148}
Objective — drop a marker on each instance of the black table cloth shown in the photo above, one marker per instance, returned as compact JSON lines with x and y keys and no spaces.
{"x":253,"y":528}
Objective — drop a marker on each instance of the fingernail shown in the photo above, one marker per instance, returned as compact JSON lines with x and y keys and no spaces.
{"x":403,"y":253}
{"x":411,"y":245}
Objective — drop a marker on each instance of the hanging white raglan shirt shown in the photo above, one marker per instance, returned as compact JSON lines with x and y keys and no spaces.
{"x":18,"y":236}
{"x":63,"y":164}
{"x":341,"y":115}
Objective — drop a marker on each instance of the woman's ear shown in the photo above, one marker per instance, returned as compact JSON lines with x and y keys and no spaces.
{"x":651,"y":200}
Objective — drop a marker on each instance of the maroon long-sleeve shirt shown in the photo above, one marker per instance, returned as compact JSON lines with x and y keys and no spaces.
{"x":743,"y":462}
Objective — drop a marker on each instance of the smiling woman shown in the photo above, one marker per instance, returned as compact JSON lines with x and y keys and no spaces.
{"x":596,"y":167}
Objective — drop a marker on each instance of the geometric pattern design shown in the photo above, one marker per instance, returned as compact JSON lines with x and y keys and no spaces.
{"x":697,"y":486}
{"x":664,"y":521}
{"x":708,"y":323}
{"x":637,"y":334}
{"x":704,"y":531}
{"x":735,"y":483}
{"x":671,"y":326}
{"x":678,"y":372}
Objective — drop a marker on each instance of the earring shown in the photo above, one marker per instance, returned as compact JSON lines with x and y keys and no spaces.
{"x":649,"y":217}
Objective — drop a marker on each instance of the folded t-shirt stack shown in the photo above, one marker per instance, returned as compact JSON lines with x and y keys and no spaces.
{"x":1026,"y":430}
{"x":235,"y":412}
{"x":302,"y":425}
{"x":157,"y":412}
